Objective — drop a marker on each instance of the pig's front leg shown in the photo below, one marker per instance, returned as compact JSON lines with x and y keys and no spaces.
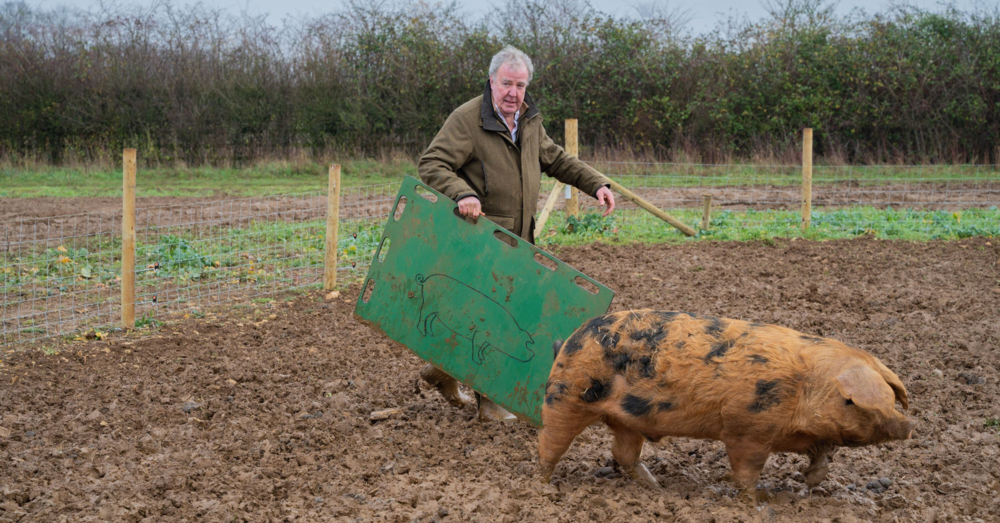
{"x":627,"y":450}
{"x":747,"y":459}
{"x":819,"y":464}
{"x":561,"y":425}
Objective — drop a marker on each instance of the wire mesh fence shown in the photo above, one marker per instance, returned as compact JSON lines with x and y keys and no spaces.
{"x":62,"y":275}
{"x":907,"y":202}
{"x":59,"y":274}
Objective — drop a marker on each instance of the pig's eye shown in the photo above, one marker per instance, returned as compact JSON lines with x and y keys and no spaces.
{"x":849,"y":402}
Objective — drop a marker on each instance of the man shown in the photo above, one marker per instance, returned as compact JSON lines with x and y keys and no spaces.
{"x":489,"y":157}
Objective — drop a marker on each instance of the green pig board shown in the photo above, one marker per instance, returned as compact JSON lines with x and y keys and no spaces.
{"x":473,"y":299}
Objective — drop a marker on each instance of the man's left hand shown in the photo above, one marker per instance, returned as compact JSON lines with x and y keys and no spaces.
{"x":606,"y":197}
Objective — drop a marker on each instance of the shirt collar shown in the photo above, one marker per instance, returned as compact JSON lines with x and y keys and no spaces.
{"x":517,"y":114}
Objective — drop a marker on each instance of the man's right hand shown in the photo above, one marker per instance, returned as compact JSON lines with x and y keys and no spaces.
{"x":470,"y":206}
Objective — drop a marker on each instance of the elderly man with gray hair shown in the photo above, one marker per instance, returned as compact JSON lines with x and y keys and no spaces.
{"x":489,"y":157}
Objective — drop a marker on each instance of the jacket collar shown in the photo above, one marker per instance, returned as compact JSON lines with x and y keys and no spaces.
{"x":488,"y":114}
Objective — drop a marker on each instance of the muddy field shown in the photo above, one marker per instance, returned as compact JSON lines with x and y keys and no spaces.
{"x":260,"y":412}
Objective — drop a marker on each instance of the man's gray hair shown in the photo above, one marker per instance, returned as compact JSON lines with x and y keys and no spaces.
{"x":515,"y":57}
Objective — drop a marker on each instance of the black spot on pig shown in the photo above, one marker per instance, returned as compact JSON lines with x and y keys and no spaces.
{"x":719,"y":350}
{"x":714,"y":327}
{"x":757,"y":358}
{"x":555,"y":392}
{"x":617,"y":360}
{"x":813,"y":339}
{"x":573,"y":344}
{"x":766,"y":396}
{"x":560,"y":365}
{"x":647,"y":367}
{"x":597,"y":391}
{"x":598,"y":324}
{"x":636,"y":406}
{"x":608,"y":340}
{"x":622,"y":362}
{"x":664,"y":406}
{"x":652,"y":337}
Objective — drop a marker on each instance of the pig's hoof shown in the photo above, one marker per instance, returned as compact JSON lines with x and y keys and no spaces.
{"x":544,"y":473}
{"x":753,"y":495}
{"x":491,"y":411}
{"x":641,"y":474}
{"x":816,"y":476}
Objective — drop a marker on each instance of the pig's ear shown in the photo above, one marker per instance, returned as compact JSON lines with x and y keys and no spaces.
{"x":865,"y":387}
{"x":897,"y":385}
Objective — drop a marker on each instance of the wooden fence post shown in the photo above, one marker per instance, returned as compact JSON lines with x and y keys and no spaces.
{"x":128,"y":239}
{"x":706,"y":212}
{"x":807,"y":176}
{"x":547,"y":209}
{"x":572,"y":149}
{"x":332,"y":228}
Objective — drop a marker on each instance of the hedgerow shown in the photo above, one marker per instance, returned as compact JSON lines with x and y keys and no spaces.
{"x":196,"y":85}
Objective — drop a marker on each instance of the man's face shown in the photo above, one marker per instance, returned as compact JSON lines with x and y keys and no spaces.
{"x":508,"y":85}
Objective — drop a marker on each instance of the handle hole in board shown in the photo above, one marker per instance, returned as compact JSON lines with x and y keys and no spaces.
{"x":383,"y":249}
{"x":400,"y":206}
{"x":546,"y":262}
{"x":586,"y":285}
{"x":369,"y":289}
{"x":425,"y":194}
{"x":505,"y":237}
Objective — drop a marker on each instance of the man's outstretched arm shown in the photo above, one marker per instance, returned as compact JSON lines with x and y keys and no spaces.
{"x":573,"y":171}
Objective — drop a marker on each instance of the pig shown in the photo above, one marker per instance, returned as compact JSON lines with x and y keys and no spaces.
{"x":465,"y":312}
{"x":757,"y":388}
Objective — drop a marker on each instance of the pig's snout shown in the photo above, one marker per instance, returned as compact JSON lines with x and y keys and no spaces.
{"x":897,"y":429}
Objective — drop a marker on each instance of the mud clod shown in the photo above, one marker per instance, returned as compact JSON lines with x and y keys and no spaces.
{"x":971,"y":379}
{"x":604,"y":472}
{"x":878,"y":486}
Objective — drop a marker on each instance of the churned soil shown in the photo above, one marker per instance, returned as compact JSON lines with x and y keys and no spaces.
{"x":260,"y":412}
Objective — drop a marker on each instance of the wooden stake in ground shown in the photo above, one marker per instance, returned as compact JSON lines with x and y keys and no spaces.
{"x":128,"y":239}
{"x":679,"y":225}
{"x":332,"y":228}
{"x":547,"y":209}
{"x":807,"y":176}
{"x":706,"y":212}
{"x":572,"y":149}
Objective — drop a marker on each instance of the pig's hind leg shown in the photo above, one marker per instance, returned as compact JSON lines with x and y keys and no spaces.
{"x":559,"y":428}
{"x":627,"y":450}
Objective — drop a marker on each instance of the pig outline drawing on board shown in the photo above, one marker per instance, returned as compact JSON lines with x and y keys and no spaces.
{"x":435,"y":289}
{"x":757,"y":388}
